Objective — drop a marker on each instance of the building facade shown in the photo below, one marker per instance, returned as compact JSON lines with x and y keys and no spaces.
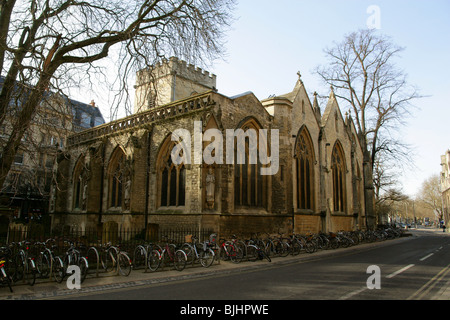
{"x":180,"y":161}
{"x":26,"y":192}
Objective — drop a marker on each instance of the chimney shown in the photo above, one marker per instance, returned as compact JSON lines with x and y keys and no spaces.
{"x":92,"y":103}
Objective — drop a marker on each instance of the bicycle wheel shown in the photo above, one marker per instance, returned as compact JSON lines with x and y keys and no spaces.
{"x":334,"y":243}
{"x":30,"y":272}
{"x":190,"y":254}
{"x":8,"y":281}
{"x":235,"y":253}
{"x":5,"y":277}
{"x":270,"y":248}
{"x":43,"y":265}
{"x":84,"y":267}
{"x":325,"y":243}
{"x":345,"y":243}
{"x":283,"y":249}
{"x":222,"y":253}
{"x":153,"y":260}
{"x":139,"y":257}
{"x":309,"y":247}
{"x":295,"y":248}
{"x":207,"y":257}
{"x":263,"y":255}
{"x":19,"y":268}
{"x":252,"y":253}
{"x":59,"y":272}
{"x":110,"y":263}
{"x":124,"y":263}
{"x":179,"y":260}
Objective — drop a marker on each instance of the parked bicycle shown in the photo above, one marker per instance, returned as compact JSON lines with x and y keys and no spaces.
{"x":169,"y":255}
{"x":295,"y":246}
{"x":141,"y":252}
{"x":73,"y":257}
{"x":5,"y":277}
{"x":48,"y":263}
{"x":113,"y":259}
{"x":25,"y":267}
{"x":233,"y":250}
{"x":200,"y":252}
{"x":276,"y":246}
{"x":255,"y":250}
{"x":309,"y":242}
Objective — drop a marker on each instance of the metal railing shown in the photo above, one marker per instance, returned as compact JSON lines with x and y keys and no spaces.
{"x":124,"y":237}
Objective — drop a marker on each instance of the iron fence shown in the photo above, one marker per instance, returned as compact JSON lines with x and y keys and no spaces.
{"x":123,"y":237}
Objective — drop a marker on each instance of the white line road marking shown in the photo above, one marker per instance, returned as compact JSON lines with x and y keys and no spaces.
{"x":426,"y":257}
{"x":427,"y":287}
{"x":400,"y":271}
{"x":353,"y":293}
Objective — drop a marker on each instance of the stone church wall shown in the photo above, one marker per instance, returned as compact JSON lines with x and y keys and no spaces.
{"x":141,"y":140}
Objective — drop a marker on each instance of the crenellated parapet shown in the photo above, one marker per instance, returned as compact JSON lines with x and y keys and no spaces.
{"x":168,"y":81}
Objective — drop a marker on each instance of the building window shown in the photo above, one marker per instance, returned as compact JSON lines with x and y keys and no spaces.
{"x":250,"y":187}
{"x":116,"y":174}
{"x":338,"y":176}
{"x":79,"y":185}
{"x":304,"y":165}
{"x":18,"y":158}
{"x":172,"y":178}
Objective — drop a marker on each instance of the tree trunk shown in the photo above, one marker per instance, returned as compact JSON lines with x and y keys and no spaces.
{"x":21,"y":125}
{"x":369,"y":192}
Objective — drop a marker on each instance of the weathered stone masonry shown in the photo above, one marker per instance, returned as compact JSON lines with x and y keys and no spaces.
{"x":122,"y":172}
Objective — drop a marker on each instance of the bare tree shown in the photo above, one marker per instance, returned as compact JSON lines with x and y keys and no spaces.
{"x":430,"y":195}
{"x":386,"y":203}
{"x":52,"y":45}
{"x":362,"y":72}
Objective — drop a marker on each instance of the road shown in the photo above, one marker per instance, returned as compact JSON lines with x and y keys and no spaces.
{"x":409,"y":268}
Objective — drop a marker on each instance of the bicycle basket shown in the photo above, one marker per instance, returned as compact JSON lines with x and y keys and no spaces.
{"x":188,"y":238}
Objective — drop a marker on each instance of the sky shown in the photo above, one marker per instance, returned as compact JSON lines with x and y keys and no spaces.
{"x":271,"y":41}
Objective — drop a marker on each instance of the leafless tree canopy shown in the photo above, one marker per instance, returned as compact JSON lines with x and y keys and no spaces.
{"x":58,"y":44}
{"x":363,"y":73}
{"x":430,"y":194}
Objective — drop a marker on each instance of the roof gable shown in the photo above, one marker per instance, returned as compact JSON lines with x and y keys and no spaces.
{"x":331,"y":110}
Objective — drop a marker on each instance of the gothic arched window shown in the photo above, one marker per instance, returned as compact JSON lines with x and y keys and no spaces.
{"x":304,"y":165}
{"x":116,"y":174}
{"x":171,"y":178}
{"x":80,"y":185}
{"x":250,"y":187}
{"x":338,"y":176}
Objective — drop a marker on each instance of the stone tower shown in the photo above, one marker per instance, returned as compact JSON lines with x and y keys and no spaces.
{"x":168,"y":81}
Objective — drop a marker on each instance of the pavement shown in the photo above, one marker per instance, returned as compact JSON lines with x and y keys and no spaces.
{"x":47,"y":289}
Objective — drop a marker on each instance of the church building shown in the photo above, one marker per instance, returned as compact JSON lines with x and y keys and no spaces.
{"x":190,"y":156}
